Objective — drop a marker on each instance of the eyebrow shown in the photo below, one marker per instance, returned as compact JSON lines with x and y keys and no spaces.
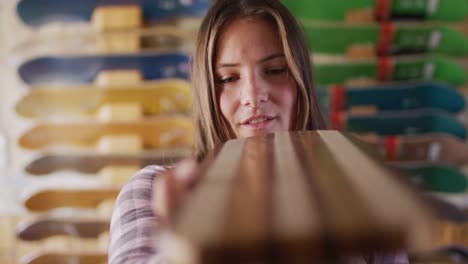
{"x":267,"y":58}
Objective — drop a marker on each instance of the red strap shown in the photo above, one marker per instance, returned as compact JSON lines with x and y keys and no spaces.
{"x":383,"y":10}
{"x":337,"y":121}
{"x":391,"y":148}
{"x":386,"y":37}
{"x":337,"y":98}
{"x":384,"y":69}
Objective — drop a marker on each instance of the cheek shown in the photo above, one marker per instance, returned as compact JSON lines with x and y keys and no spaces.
{"x":288,"y":98}
{"x":226,"y":102}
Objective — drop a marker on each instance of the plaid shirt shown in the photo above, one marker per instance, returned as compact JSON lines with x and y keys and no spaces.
{"x":133,"y":223}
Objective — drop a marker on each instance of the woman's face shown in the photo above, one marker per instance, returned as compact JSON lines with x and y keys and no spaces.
{"x":256,"y":93}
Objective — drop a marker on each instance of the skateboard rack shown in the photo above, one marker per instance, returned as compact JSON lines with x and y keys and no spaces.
{"x":121,"y":154}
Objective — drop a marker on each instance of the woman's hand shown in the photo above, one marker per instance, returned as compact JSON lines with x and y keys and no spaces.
{"x":171,"y":186}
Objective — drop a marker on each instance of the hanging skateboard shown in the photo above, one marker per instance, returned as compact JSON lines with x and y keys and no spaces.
{"x":93,"y":163}
{"x":399,"y":123}
{"x":383,"y":39}
{"x":46,"y":226}
{"x":39,"y":12}
{"x":118,"y":26}
{"x":378,"y":10}
{"x":435,"y":178}
{"x":154,"y":66}
{"x":89,"y":198}
{"x":163,"y":38}
{"x":390,"y":97}
{"x":444,"y":254}
{"x":385,"y":69}
{"x":155,"y":97}
{"x":60,"y":256}
{"x":84,"y":69}
{"x":152,"y":133}
{"x":441,"y":148}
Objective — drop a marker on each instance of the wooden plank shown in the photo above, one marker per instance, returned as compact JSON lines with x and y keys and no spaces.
{"x":297,"y":196}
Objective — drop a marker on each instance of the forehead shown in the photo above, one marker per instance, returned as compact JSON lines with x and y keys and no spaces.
{"x":248,"y":38}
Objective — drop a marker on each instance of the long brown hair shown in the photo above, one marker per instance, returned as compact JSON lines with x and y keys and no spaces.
{"x":210,"y":127}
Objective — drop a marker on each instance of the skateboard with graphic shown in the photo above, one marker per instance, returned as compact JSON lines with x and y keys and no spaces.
{"x":166,"y":96}
{"x":429,"y":176}
{"x":70,"y":69}
{"x":417,"y":122}
{"x":366,"y":40}
{"x":416,"y":149}
{"x":36,"y":13}
{"x":115,"y":26}
{"x":434,"y":177}
{"x":267,"y":190}
{"x":154,"y":133}
{"x":85,"y":69}
{"x":378,"y":10}
{"x":392,"y":97}
{"x":386,"y":69}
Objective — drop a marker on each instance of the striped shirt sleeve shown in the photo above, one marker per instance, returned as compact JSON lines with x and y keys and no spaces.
{"x":133,"y":221}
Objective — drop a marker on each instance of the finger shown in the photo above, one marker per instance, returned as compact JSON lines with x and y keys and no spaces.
{"x":170,"y":187}
{"x":186,"y":173}
{"x":160,"y":199}
{"x":178,"y":182}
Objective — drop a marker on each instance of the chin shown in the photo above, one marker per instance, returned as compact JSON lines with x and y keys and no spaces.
{"x":255,"y":133}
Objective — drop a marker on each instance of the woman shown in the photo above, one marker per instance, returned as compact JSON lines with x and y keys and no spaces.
{"x":251,"y":76}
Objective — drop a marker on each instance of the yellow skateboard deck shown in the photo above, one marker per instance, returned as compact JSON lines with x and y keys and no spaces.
{"x":156,"y":97}
{"x":92,"y":163}
{"x":49,"y":256}
{"x":157,"y":132}
{"x":77,"y":198}
{"x":159,"y":39}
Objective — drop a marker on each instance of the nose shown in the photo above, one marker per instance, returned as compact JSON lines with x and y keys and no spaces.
{"x":254,"y":91}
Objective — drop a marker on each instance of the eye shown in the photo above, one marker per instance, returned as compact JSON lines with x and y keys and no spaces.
{"x":228,"y":79}
{"x":277,"y":70}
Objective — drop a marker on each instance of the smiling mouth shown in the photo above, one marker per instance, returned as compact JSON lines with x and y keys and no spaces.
{"x":258,"y":122}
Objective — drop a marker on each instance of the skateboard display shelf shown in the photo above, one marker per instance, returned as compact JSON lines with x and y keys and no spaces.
{"x":137,"y":101}
{"x":358,"y":55}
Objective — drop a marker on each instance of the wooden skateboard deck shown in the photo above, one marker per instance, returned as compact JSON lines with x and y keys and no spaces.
{"x":158,"y":132}
{"x":46,"y":226}
{"x":92,"y":163}
{"x":299,"y":195}
{"x":157,"y":97}
{"x":77,"y":198}
{"x":48,"y":256}
{"x":161,"y":38}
